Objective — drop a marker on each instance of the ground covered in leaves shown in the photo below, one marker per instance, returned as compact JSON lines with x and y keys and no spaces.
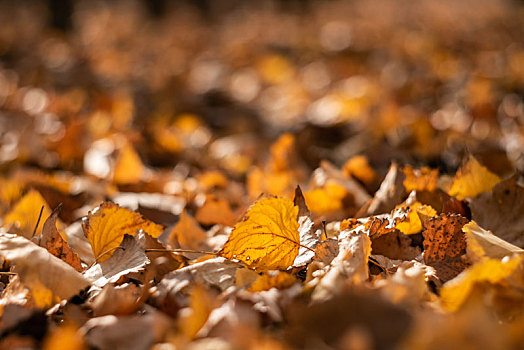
{"x":275,"y":175}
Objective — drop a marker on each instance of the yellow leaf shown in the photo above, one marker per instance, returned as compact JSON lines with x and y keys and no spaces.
{"x":211,"y":179}
{"x":456,"y":291}
{"x":215,"y":211}
{"x":484,"y":244}
{"x":267,"y":238}
{"x":327,"y":198}
{"x":423,"y":179}
{"x":201,"y":304}
{"x":472,"y":179}
{"x":25,"y":213}
{"x":272,"y":279}
{"x":411,"y":224}
{"x":273,"y":183}
{"x":358,"y":167}
{"x":64,"y":337}
{"x":107,"y":224}
{"x":129,"y":168}
{"x":187,"y":232}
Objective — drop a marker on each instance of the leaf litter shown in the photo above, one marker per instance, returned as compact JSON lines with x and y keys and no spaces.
{"x":227,"y":186}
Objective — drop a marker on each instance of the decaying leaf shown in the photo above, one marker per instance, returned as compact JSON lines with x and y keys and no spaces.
{"x":25,"y":213}
{"x":267,"y":238}
{"x":129,"y":257}
{"x":389,"y":194}
{"x":502,"y":210}
{"x":107,"y":224}
{"x":445,"y":245}
{"x":309,"y":236}
{"x":55,"y":244}
{"x":472,"y":179}
{"x":42,"y":272}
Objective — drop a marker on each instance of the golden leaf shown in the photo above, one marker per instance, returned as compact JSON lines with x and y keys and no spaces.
{"x":64,"y":337}
{"x":129,"y":168}
{"x":201,"y":304}
{"x":107,"y":224}
{"x":456,"y":291}
{"x":215,"y":211}
{"x":267,"y":238}
{"x":472,"y":179}
{"x":327,"y":198}
{"x":187,"y":232}
{"x":358,"y":167}
{"x":411,"y":224}
{"x":423,"y":179}
{"x":272,"y":279}
{"x":25,"y":214}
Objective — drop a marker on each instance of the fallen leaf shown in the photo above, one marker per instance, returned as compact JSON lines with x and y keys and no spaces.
{"x":472,"y":179}
{"x":267,"y":238}
{"x":215,"y":211}
{"x":389,"y":194}
{"x":201,"y":305}
{"x":309,"y":236}
{"x":327,"y":198}
{"x":411,"y":224}
{"x":484,"y":244}
{"x":55,"y":244}
{"x":272,"y":279}
{"x":187,"y":233}
{"x":423,"y":179}
{"x":454,"y":293}
{"x":445,"y":245}
{"x":42,"y":272}
{"x":26,"y":212}
{"x":129,"y":169}
{"x":64,"y":337}
{"x":130,"y":257}
{"x":116,"y":300}
{"x":502,"y":211}
{"x":107,"y":224}
{"x":358,"y":167}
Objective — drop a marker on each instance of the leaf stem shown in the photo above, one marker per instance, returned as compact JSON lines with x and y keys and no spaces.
{"x":38,"y":221}
{"x":153,"y":250}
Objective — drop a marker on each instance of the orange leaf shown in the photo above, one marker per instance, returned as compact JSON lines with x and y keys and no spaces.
{"x":423,"y":179}
{"x":215,"y":211}
{"x":107,"y":224}
{"x":267,"y":238}
{"x":129,"y":168}
{"x":187,"y":232}
{"x":272,"y":279}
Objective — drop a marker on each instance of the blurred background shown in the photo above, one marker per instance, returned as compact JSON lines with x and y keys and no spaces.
{"x":212,"y":84}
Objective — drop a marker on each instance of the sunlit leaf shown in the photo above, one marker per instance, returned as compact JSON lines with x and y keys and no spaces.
{"x":25,"y":213}
{"x":201,"y":303}
{"x":472,"y":179}
{"x":64,"y":337}
{"x":129,"y":169}
{"x":267,"y":238}
{"x":358,"y":167}
{"x":411,"y":223}
{"x":272,"y":279}
{"x":215,"y":211}
{"x":456,"y":291}
{"x":107,"y":224}
{"x":187,"y":233}
{"x":423,"y":179}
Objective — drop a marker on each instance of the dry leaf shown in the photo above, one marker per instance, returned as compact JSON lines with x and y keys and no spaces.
{"x":55,"y":244}
{"x":456,"y":291}
{"x":64,"y":337}
{"x":116,"y":300}
{"x":358,"y":167}
{"x":128,"y":168}
{"x":107,"y":224}
{"x":502,"y":211}
{"x":472,"y":179}
{"x":423,"y":179}
{"x":389,"y":194}
{"x":445,"y":245}
{"x":187,"y":233}
{"x":309,"y":236}
{"x":484,"y":244}
{"x":201,"y":305}
{"x":42,"y":272}
{"x":130,"y":257}
{"x":272,"y":279}
{"x":25,"y":213}
{"x":411,"y":223}
{"x":267,"y":238}
{"x":215,"y":211}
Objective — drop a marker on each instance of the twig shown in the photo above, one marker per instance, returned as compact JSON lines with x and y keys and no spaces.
{"x":153,"y":250}
{"x":38,"y":221}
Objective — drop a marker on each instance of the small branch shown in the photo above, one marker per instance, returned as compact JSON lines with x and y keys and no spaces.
{"x":38,"y":221}
{"x":152,"y":250}
{"x":7,"y":273}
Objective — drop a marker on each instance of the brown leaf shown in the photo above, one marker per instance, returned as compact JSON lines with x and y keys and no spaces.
{"x":502,"y":211}
{"x":55,"y":244}
{"x":445,"y":245}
